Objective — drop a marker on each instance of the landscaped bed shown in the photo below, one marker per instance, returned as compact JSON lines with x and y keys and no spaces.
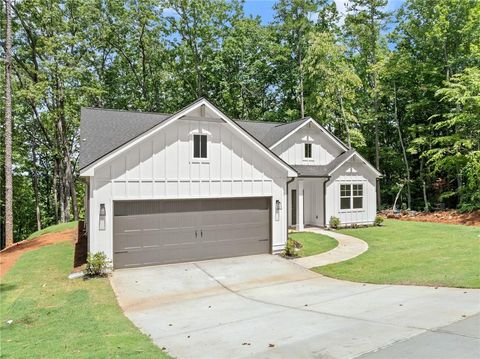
{"x":313,"y":243}
{"x":55,"y":317}
{"x":417,"y":253}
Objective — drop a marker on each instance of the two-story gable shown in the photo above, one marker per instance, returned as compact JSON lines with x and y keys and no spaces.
{"x":197,"y":185}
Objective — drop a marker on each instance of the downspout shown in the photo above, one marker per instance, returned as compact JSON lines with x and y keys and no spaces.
{"x":325,"y":201}
{"x":288,"y":193}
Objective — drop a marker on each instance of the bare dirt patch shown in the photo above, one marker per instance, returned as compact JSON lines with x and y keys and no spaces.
{"x":450,"y":216}
{"x":10,"y":255}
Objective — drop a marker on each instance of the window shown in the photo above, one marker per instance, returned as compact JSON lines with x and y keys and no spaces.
{"x":308,"y":150}
{"x":357,"y":193}
{"x":199,"y":146}
{"x":351,"y":196}
{"x":345,"y":194}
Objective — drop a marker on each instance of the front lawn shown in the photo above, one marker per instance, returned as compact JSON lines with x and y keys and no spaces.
{"x":313,"y":243}
{"x":56,"y":317}
{"x":418,"y":253}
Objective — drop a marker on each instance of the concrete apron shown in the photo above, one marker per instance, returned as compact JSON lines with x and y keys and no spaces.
{"x":267,"y":307}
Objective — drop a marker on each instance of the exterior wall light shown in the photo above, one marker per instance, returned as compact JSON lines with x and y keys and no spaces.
{"x":278,"y":208}
{"x":102,"y":219}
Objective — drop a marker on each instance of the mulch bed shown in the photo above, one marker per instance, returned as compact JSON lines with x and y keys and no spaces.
{"x":449,"y":216}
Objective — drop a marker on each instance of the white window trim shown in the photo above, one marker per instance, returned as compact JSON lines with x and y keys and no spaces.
{"x":307,"y":159}
{"x":351,"y":209}
{"x":191,"y":149}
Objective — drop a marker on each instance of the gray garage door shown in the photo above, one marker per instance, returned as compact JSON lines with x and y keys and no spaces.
{"x":171,"y":231}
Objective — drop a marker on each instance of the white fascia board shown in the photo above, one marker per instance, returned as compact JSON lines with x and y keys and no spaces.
{"x":290,"y":171}
{"x":355,"y":153}
{"x":320,"y":127}
{"x":89,"y":170}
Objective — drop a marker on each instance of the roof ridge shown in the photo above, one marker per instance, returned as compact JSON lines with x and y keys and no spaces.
{"x":128,"y":111}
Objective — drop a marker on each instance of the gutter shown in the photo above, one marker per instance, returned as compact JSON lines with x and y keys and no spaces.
{"x":325,"y":201}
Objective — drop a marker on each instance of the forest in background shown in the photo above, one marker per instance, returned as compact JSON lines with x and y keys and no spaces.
{"x":402,"y":88}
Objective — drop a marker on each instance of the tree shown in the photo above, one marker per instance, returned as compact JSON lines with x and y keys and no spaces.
{"x":8,"y":127}
{"x":332,"y":84}
{"x":294,"y":21}
{"x":364,"y":22}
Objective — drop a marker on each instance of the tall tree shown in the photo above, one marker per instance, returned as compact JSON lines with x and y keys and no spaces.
{"x":364,"y":23}
{"x":8,"y":126}
{"x":294,"y":21}
{"x":332,"y":85}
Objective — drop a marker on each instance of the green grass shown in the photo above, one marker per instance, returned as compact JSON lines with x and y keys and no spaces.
{"x":420,"y":253}
{"x":56,"y":228}
{"x":56,"y":317}
{"x":313,"y":243}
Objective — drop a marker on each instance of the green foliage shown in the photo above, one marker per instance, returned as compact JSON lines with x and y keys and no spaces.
{"x":152,"y":56}
{"x":97,"y":264}
{"x":291,"y":248}
{"x":334,"y":222}
{"x":378,"y":221}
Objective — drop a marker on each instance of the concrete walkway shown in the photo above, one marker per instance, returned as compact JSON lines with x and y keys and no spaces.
{"x":348,"y":247}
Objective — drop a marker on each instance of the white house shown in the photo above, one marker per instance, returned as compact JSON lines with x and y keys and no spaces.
{"x":166,"y":188}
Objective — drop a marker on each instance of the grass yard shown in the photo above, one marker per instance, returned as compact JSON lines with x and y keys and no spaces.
{"x":55,"y":317}
{"x":313,"y":243}
{"x":420,"y":253}
{"x":56,"y":228}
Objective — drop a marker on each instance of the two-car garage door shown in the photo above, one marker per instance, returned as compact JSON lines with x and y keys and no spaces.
{"x":170,"y":231}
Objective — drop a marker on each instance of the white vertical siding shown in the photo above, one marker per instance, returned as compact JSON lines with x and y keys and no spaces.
{"x":352,"y":172}
{"x":291,"y":150}
{"x":161,"y":167}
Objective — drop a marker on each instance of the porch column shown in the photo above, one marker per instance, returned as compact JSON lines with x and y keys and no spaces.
{"x":300,"y":205}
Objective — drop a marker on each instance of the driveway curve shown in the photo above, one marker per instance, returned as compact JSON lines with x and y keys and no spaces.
{"x":348,"y":247}
{"x":267,"y":307}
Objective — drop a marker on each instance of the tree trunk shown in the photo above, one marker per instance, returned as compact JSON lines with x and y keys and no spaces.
{"x":55,"y":191}
{"x":8,"y":127}
{"x":424,"y":187}
{"x":35,"y":188}
{"x":404,"y":152}
{"x":345,"y":121}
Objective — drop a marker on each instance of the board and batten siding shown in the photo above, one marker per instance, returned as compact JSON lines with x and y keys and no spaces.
{"x":162,"y":167}
{"x":292,"y":149}
{"x":352,"y":172}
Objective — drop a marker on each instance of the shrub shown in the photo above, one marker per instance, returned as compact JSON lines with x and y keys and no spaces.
{"x":97,"y":264}
{"x":291,"y":248}
{"x":378,"y":221}
{"x":334,"y":222}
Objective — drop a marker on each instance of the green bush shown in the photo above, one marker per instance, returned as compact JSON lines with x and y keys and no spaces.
{"x":97,"y":264}
{"x":334,"y":222}
{"x":291,"y":248}
{"x":378,"y":221}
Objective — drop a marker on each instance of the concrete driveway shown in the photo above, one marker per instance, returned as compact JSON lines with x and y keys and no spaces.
{"x":265,"y":306}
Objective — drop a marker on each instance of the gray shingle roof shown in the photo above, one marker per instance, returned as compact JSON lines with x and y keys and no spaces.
{"x":102,"y":131}
{"x":269,"y":132}
{"x":322,"y":171}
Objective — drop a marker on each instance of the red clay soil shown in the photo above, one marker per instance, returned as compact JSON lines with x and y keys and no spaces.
{"x":452,"y":217}
{"x":10,"y":255}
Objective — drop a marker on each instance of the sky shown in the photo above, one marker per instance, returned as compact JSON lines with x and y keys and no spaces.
{"x":264,"y":8}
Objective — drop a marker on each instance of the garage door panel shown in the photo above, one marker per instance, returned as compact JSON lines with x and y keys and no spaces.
{"x":160,"y":232}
